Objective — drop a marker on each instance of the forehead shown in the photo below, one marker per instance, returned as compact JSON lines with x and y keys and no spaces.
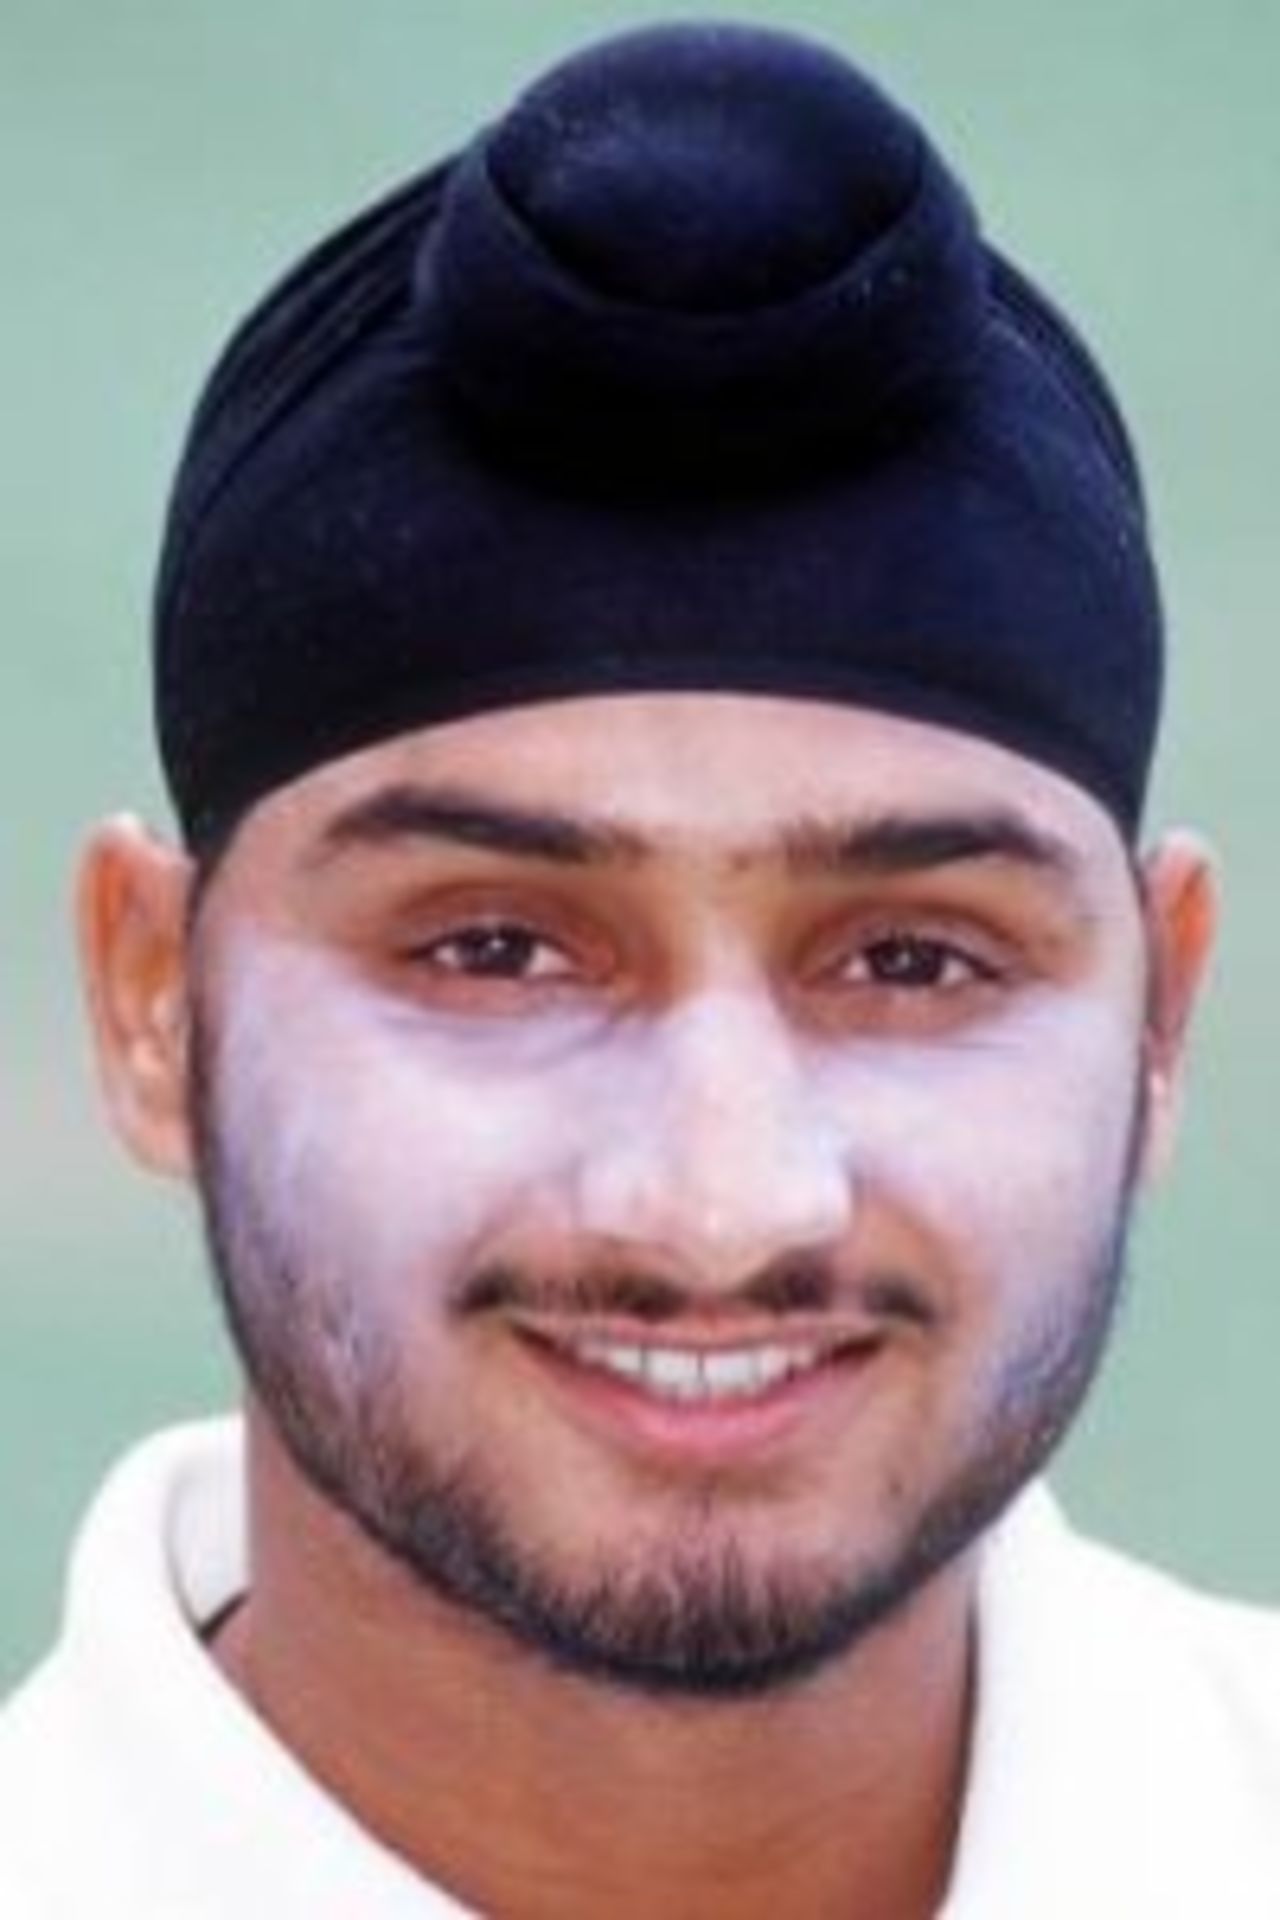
{"x":720,"y":774}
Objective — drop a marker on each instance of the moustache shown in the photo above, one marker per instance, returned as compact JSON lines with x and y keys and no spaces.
{"x":810,"y":1287}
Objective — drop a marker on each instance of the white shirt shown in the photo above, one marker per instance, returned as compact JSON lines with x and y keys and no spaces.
{"x":1126,"y":1757}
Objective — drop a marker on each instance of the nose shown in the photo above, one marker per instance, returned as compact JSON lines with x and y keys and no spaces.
{"x":716,"y":1158}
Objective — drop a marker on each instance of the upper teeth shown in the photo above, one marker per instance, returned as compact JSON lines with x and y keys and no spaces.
{"x":677,"y":1373}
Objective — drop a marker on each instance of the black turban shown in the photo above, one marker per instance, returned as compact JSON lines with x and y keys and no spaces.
{"x":693,"y":371}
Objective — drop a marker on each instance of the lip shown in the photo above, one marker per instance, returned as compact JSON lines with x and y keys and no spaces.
{"x":704,"y":1435}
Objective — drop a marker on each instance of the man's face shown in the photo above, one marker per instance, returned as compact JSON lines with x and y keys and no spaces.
{"x":667,"y":1157}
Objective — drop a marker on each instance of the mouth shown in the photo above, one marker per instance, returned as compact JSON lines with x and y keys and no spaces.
{"x":700,"y":1400}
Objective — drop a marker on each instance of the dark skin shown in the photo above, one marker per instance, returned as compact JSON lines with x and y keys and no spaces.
{"x":899,"y":1019}
{"x":630,"y":1809}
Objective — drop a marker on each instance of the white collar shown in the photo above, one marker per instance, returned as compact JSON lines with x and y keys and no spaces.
{"x":1104,"y":1776}
{"x":238,"y":1827}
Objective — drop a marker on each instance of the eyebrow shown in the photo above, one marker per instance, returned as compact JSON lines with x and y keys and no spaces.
{"x":408,"y":813}
{"x":909,"y":843}
{"x":883,"y":846}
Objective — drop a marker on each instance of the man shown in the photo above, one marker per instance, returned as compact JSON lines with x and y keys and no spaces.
{"x":658,"y":662}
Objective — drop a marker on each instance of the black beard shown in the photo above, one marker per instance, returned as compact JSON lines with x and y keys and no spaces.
{"x":703,"y":1625}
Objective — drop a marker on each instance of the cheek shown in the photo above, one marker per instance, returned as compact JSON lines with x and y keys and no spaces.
{"x":374,"y":1144}
{"x":1007,"y":1146}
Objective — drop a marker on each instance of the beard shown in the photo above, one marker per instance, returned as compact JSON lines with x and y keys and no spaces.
{"x":697,"y":1619}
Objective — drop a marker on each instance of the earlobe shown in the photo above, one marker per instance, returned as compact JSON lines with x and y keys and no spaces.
{"x":1180,"y":893}
{"x":131,"y":910}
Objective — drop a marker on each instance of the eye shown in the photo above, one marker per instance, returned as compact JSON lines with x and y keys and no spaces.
{"x":908,"y":979}
{"x":919,"y":963}
{"x":495,"y":950}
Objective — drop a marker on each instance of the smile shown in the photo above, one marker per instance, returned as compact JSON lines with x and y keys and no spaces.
{"x":687,"y":1375}
{"x":707,"y":1396}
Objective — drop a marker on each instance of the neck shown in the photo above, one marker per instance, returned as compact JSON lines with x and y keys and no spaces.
{"x":526,"y":1792}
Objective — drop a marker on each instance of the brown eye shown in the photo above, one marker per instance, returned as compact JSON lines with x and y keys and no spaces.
{"x":905,"y":960}
{"x":501,"y":950}
{"x":909,"y":977}
{"x":899,"y":961}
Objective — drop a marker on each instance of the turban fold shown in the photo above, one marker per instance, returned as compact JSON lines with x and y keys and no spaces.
{"x":694,"y":371}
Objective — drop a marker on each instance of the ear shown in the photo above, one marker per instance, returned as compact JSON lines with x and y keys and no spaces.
{"x":1181,"y":907}
{"x":131,"y":910}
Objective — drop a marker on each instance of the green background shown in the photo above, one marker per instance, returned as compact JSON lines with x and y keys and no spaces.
{"x":159,"y":163}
